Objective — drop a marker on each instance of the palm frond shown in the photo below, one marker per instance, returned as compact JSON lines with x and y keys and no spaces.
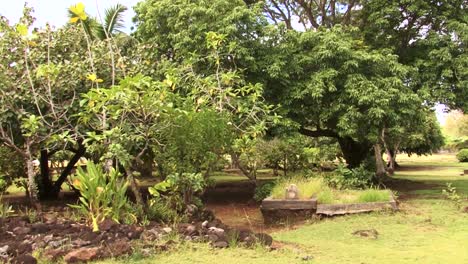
{"x":113,"y":21}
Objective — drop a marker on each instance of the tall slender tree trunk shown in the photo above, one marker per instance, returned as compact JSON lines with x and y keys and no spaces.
{"x":391,"y":162}
{"x":32,"y":187}
{"x":380,"y":167}
{"x":134,"y":187}
{"x":45,"y":186}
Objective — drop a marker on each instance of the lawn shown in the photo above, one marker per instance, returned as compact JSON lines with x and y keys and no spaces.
{"x":428,"y":229}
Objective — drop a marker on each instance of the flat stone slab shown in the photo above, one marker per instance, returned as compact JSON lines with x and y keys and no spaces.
{"x":341,"y":209}
{"x":284,"y":204}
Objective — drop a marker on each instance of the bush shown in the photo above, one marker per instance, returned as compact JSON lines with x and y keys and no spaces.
{"x":263,"y":191}
{"x":3,"y":185}
{"x":5,"y":209}
{"x":160,"y":209}
{"x":462,"y":155}
{"x":172,"y":196}
{"x":103,"y":195}
{"x":344,"y":178}
{"x":11,"y":168}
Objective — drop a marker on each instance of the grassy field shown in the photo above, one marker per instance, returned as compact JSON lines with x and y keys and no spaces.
{"x":428,"y":228}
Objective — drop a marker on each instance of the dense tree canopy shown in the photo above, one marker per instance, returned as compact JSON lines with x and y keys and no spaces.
{"x":364,"y":73}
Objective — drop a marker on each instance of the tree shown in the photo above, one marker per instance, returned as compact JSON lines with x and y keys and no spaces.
{"x":176,"y":31}
{"x":427,"y":37}
{"x":421,"y":136}
{"x":38,"y":96}
{"x":456,"y":124}
{"x":332,"y":85}
{"x":430,"y":37}
{"x":310,"y":14}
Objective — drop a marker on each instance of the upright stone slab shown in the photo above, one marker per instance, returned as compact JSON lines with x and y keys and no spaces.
{"x":276,"y":211}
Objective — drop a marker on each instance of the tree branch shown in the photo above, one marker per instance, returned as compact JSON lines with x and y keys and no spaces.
{"x":318,"y":133}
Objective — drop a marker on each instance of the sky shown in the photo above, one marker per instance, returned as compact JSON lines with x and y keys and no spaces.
{"x":55,"y":11}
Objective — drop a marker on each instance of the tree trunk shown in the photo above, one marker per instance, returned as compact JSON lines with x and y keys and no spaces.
{"x":32,"y":189}
{"x":354,"y":152}
{"x":391,"y":155}
{"x":250,"y":173}
{"x":67,"y":171}
{"x":380,"y":167}
{"x":44,"y":183}
{"x":134,"y":187}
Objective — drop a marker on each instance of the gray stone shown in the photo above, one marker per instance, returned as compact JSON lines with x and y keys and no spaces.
{"x":4,"y":252}
{"x":24,"y":259}
{"x":370,"y":233}
{"x":21,"y":230}
{"x":264,"y":239}
{"x":81,"y":243}
{"x":217,"y":231}
{"x":212,"y":237}
{"x":58,"y":243}
{"x":220,"y":244}
{"x":48,"y":238}
{"x":190,"y":230}
{"x":167,"y":230}
{"x":40,"y":228}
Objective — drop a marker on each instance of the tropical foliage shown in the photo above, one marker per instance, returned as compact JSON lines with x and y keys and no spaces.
{"x":200,"y":82}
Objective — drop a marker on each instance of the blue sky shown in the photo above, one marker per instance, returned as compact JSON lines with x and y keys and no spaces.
{"x":55,"y":11}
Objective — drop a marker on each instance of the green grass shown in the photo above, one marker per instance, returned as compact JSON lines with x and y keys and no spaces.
{"x":424,"y":232}
{"x":325,"y":195}
{"x":192,"y":253}
{"x":427,"y":229}
{"x":307,"y":187}
{"x":373,"y":195}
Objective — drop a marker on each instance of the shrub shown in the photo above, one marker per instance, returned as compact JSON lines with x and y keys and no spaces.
{"x":462,"y":155}
{"x":263,"y":191}
{"x":11,"y":168}
{"x":171,"y":197}
{"x":344,"y":178}
{"x":451,"y":193}
{"x":160,"y":209}
{"x":103,"y":195}
{"x":3,"y":185}
{"x":5,"y":209}
{"x":187,"y":185}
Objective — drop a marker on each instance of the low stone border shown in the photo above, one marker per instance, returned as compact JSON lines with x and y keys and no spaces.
{"x":280,"y":210}
{"x":276,"y":211}
{"x":341,"y":209}
{"x":270,"y":203}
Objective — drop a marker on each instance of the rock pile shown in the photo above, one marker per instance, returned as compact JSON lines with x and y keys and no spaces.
{"x":75,"y":241}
